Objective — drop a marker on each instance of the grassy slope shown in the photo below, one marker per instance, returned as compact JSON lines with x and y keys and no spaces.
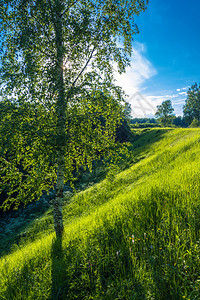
{"x":135,"y":236}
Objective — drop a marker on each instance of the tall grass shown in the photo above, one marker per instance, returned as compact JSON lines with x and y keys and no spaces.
{"x":133,"y":237}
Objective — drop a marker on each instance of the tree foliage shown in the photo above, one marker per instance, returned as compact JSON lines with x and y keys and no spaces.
{"x":57,"y":62}
{"x":191,"y":109}
{"x":179,"y":121}
{"x":26,"y":152}
{"x":165,"y":112}
{"x":195,"y":123}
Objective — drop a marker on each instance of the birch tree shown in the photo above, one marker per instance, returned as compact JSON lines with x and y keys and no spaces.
{"x":165,"y":112}
{"x":191,"y":109}
{"x":57,"y":60}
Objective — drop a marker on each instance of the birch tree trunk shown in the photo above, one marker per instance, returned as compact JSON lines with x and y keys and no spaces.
{"x":61,"y":121}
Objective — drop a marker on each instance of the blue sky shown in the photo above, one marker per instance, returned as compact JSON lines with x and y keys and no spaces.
{"x":166,"y":56}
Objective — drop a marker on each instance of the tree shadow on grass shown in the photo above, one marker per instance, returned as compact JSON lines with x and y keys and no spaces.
{"x":147,"y":138}
{"x":166,"y":286}
{"x":58,"y":271}
{"x":15,"y":225}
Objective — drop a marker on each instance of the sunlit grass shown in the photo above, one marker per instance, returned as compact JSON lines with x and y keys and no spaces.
{"x":133,"y":237}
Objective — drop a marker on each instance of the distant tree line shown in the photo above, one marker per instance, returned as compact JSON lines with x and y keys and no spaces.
{"x":144,"y":120}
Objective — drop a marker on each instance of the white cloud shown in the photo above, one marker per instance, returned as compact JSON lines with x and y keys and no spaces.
{"x":141,"y":106}
{"x":179,"y":102}
{"x":140,"y":70}
{"x":132,"y":82}
{"x":182,"y":89}
{"x":183,"y":93}
{"x":157,"y":100}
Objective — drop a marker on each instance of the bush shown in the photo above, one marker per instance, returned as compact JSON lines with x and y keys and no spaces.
{"x":195,"y":123}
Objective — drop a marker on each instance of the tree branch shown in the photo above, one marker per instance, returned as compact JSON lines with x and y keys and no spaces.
{"x":67,"y":9}
{"x":45,"y":53}
{"x":83,"y":69}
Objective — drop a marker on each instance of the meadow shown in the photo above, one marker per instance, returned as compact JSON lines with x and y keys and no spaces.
{"x":133,"y":235}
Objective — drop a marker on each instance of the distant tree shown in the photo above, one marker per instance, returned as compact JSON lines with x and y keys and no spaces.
{"x":46,"y":48}
{"x":165,"y":112}
{"x":179,"y":121}
{"x":191,"y":109}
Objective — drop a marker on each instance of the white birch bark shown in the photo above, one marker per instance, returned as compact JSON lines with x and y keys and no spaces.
{"x":61,"y":121}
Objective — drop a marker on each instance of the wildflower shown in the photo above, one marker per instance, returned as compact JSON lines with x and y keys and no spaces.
{"x":89,"y":264}
{"x":138,"y":239}
{"x":160,"y":248}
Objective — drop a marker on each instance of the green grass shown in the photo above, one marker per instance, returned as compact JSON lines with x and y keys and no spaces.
{"x":132,"y":236}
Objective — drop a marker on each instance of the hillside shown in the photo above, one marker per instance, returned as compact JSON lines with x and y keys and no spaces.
{"x":134,"y":235}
